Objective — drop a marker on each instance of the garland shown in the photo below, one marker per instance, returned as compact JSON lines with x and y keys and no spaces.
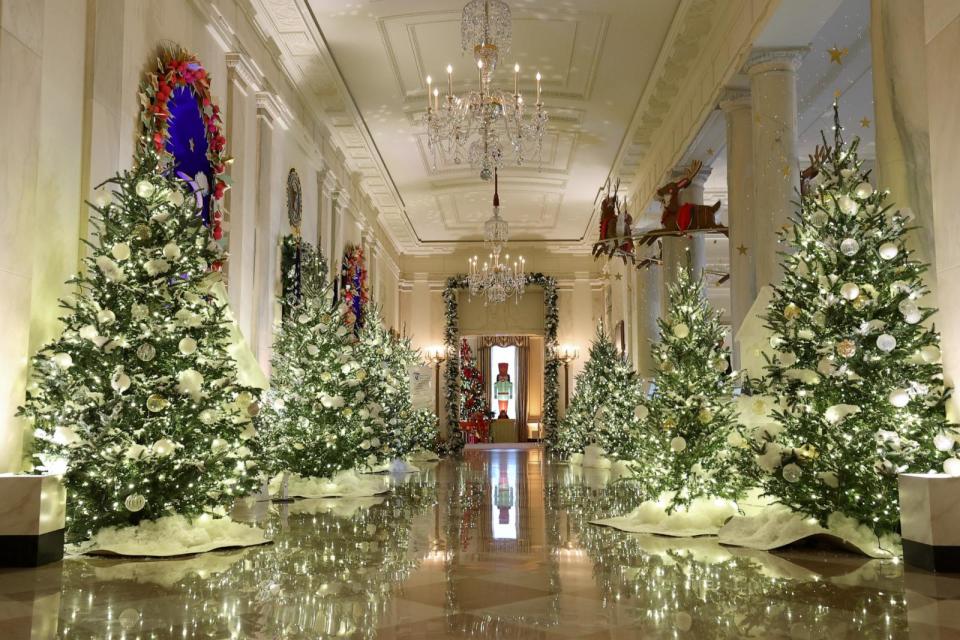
{"x":353,"y":285}
{"x":551,"y":366}
{"x":176,"y":69}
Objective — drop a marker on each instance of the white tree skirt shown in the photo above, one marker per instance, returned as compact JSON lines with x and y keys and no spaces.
{"x":705,"y":517}
{"x":346,"y":484}
{"x":423,"y":455}
{"x":171,"y":536}
{"x":397,"y":465}
{"x":774,"y":526}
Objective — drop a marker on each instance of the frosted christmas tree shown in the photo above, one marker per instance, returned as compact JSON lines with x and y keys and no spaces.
{"x":137,"y":401}
{"x":318,"y":419}
{"x":608,"y":391}
{"x":397,"y":427}
{"x":685,"y":435}
{"x":856,"y":370}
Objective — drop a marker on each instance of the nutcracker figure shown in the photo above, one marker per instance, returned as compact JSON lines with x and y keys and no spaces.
{"x":503,"y":390}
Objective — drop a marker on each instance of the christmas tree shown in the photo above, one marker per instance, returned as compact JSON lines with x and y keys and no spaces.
{"x":387,"y":358}
{"x":856,"y":371}
{"x":473,"y":397}
{"x":608,"y":391}
{"x":318,"y":419}
{"x":685,"y":433}
{"x":137,"y":400}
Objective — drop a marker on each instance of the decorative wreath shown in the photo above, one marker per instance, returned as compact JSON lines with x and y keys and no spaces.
{"x":181,"y":123}
{"x":353,"y":285}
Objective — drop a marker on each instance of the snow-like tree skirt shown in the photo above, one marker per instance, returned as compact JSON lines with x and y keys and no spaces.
{"x":346,"y":484}
{"x":705,"y":517}
{"x":171,"y":536}
{"x":167,"y":572}
{"x":775,"y":526}
{"x":397,"y":465}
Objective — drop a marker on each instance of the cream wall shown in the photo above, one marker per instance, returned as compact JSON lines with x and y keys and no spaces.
{"x":69,"y":73}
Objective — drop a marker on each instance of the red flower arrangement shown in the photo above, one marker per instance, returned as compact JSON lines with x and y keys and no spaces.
{"x":178,"y":68}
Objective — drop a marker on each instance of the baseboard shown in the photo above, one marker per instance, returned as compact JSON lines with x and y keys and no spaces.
{"x":932,"y":558}
{"x":31,"y":551}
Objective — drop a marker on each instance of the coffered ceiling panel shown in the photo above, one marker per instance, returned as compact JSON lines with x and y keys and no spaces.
{"x":596,"y":57}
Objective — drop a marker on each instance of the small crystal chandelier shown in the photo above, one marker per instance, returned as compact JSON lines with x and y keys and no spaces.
{"x":497,"y":280}
{"x":478,"y":126}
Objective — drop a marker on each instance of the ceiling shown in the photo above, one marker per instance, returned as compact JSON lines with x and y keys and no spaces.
{"x":596,"y":57}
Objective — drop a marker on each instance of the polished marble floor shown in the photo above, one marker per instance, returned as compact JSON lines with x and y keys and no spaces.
{"x":494,"y":546}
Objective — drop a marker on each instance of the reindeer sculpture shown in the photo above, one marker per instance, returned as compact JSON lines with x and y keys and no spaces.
{"x":615,"y":227}
{"x":685,"y":217}
{"x":816,"y":161}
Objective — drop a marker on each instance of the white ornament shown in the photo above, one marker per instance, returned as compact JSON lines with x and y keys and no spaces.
{"x":101,"y":198}
{"x":678,"y":444}
{"x":218,"y":445}
{"x":640,"y":412}
{"x":248,"y":432}
{"x":171,"y":250}
{"x":62,"y":360}
{"x":121,"y":251}
{"x":207,"y":417}
{"x":175,"y":197}
{"x":899,"y":398}
{"x":951,"y":466}
{"x":681,"y":330}
{"x":66,"y":436}
{"x":907,"y":306}
{"x":120,"y":381}
{"x":849,"y":247}
{"x":912,"y":317}
{"x":819,"y":218}
{"x":146,"y":352}
{"x":135,"y":502}
{"x":190,"y":382}
{"x":838,"y":412}
{"x":187,"y":346}
{"x":930,"y":354}
{"x":106,"y":317}
{"x":734,"y":439}
{"x":88,"y":332}
{"x":829,"y":478}
{"x":110,"y":269}
{"x":943,"y":442}
{"x":163,"y":447}
{"x":864,"y":190}
{"x":145,"y":189}
{"x":848,"y":205}
{"x":805,"y":334}
{"x":886,"y":342}
{"x":313,"y":349}
{"x":850,"y":291}
{"x":888,"y":251}
{"x":791,"y":473}
{"x":720,"y":365}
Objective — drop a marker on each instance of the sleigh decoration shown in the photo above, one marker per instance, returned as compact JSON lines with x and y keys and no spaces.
{"x":616,"y":232}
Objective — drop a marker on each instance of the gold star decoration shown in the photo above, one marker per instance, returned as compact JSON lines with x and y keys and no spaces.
{"x":619,"y":276}
{"x":837,"y":93}
{"x":742,"y":249}
{"x":837,"y":54}
{"x":710,"y":151}
{"x":865,"y":122}
{"x":786,"y":171}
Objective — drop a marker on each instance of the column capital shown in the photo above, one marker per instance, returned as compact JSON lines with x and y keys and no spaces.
{"x":328,"y":182}
{"x":733,"y":99}
{"x":775,"y":59}
{"x":271,"y":109}
{"x":244,"y":71}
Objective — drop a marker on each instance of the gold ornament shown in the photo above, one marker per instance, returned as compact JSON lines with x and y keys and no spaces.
{"x":705,"y":416}
{"x":669,"y":424}
{"x":253,"y":409}
{"x":142,"y":232}
{"x":846,"y":348}
{"x":808,"y":451}
{"x":156,"y":403}
{"x":791,"y":312}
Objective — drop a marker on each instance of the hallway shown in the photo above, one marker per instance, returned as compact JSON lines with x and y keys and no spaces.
{"x":496,"y":545}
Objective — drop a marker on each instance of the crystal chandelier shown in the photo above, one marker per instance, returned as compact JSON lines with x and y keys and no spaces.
{"x":497,"y":280}
{"x":487,"y":123}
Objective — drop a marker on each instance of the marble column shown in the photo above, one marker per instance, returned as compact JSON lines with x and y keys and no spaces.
{"x":240,"y":202}
{"x":262,"y":337}
{"x":901,"y":119}
{"x":647,"y":313}
{"x":773,"y":94}
{"x":943,"y":95}
{"x":743,"y":286}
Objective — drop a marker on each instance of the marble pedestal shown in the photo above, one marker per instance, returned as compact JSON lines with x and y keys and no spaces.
{"x":930,"y":521}
{"x":32,"y":519}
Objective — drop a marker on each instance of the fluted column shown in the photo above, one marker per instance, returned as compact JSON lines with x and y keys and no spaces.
{"x":773,"y":93}
{"x":649,"y":284}
{"x":740,"y":215}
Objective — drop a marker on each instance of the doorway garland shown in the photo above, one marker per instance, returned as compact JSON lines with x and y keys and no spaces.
{"x":551,"y":365}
